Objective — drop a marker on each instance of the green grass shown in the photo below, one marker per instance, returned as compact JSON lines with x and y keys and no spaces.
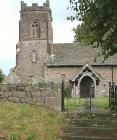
{"x":29,"y":122}
{"x":71,"y":103}
{"x":100,"y":102}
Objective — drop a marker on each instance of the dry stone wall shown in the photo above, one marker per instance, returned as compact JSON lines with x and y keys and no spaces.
{"x":45,"y":94}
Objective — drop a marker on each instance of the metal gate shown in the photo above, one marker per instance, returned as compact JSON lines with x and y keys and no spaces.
{"x":70,"y":102}
{"x":73,"y":103}
{"x":113,"y":96}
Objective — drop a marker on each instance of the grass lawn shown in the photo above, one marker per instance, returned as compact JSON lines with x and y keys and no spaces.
{"x":29,"y":122}
{"x":99,"y":102}
{"x":71,"y":103}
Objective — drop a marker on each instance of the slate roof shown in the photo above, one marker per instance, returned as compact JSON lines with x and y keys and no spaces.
{"x":74,"y":54}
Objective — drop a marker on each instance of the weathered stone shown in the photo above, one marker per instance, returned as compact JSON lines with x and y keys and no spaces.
{"x":37,"y":80}
{"x":28,"y":94}
{"x":21,"y":87}
{"x":37,"y":94}
{"x":40,"y":100}
{"x":13,"y":99}
{"x":12,"y":78}
{"x":20,"y":94}
{"x":6,"y":94}
{"x":5,"y":88}
{"x":35,"y":88}
{"x":25,"y":100}
{"x":28,"y":88}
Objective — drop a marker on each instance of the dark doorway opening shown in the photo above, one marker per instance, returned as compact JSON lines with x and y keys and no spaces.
{"x":87,"y":87}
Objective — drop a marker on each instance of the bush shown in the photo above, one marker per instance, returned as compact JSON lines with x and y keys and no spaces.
{"x":2,"y":76}
{"x":67,"y":92}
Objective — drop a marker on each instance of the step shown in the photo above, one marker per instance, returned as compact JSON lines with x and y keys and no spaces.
{"x":93,"y":122}
{"x":90,"y":126}
{"x":88,"y":115}
{"x":65,"y":137}
{"x":88,"y":131}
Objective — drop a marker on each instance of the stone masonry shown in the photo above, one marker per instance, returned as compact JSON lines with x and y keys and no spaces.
{"x":43,"y":94}
{"x":37,"y":56}
{"x":35,"y":38}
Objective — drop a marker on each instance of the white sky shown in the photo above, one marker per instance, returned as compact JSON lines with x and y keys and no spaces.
{"x":9,"y":27}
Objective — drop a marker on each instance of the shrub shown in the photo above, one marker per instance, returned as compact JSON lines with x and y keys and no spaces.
{"x":67,"y":92}
{"x":2,"y":76}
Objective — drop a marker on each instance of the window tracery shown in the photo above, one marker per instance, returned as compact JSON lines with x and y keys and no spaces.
{"x":35,"y":30}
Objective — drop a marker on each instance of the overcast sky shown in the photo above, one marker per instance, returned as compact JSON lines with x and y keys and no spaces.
{"x":9,"y":27}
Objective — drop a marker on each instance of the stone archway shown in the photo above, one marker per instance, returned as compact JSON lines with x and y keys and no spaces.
{"x":87,"y":87}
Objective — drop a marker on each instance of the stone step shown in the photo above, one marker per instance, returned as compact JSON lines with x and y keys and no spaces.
{"x":66,"y":137}
{"x":88,"y":131}
{"x":88,"y":115}
{"x":98,"y":125}
{"x":93,"y":122}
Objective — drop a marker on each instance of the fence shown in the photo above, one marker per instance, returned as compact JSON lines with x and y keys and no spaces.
{"x":113,"y":96}
{"x":73,"y":101}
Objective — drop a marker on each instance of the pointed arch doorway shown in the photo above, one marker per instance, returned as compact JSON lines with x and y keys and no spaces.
{"x":87,"y":88}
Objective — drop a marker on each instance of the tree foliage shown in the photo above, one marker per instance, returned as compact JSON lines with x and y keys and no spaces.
{"x":98,"y":23}
{"x":2,"y":76}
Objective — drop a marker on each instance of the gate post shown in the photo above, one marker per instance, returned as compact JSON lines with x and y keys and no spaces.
{"x":62,"y":93}
{"x":113,"y":95}
{"x":110,"y":91}
{"x":116,"y":97}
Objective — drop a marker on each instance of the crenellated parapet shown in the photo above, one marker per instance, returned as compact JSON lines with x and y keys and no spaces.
{"x":35,"y":7}
{"x":35,"y":22}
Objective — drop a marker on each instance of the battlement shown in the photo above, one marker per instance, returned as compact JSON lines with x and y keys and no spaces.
{"x":35,"y":7}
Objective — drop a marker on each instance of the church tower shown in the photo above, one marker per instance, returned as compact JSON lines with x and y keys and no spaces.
{"x":35,"y":40}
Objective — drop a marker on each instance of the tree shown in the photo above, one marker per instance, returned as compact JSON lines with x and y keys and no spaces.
{"x":98,"y":24}
{"x":2,"y":76}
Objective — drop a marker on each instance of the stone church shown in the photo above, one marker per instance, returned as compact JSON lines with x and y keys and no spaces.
{"x":38,"y":58}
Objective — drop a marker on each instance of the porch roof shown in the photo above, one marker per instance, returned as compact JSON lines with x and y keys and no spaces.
{"x":92,"y":70}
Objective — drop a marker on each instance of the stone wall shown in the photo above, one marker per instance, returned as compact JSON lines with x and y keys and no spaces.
{"x":26,"y":68}
{"x":54,"y":74}
{"x":44,"y":94}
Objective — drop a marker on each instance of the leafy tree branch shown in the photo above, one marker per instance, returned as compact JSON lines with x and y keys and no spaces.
{"x":99,"y":24}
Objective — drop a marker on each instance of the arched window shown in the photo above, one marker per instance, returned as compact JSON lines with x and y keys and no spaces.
{"x":35,"y":30}
{"x":34,"y":56}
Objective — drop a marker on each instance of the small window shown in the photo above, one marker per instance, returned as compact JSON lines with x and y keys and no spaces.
{"x":34,"y":56}
{"x":35,"y":31}
{"x":36,"y":25}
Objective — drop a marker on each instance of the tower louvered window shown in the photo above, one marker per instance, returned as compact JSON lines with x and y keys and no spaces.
{"x":35,"y":30}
